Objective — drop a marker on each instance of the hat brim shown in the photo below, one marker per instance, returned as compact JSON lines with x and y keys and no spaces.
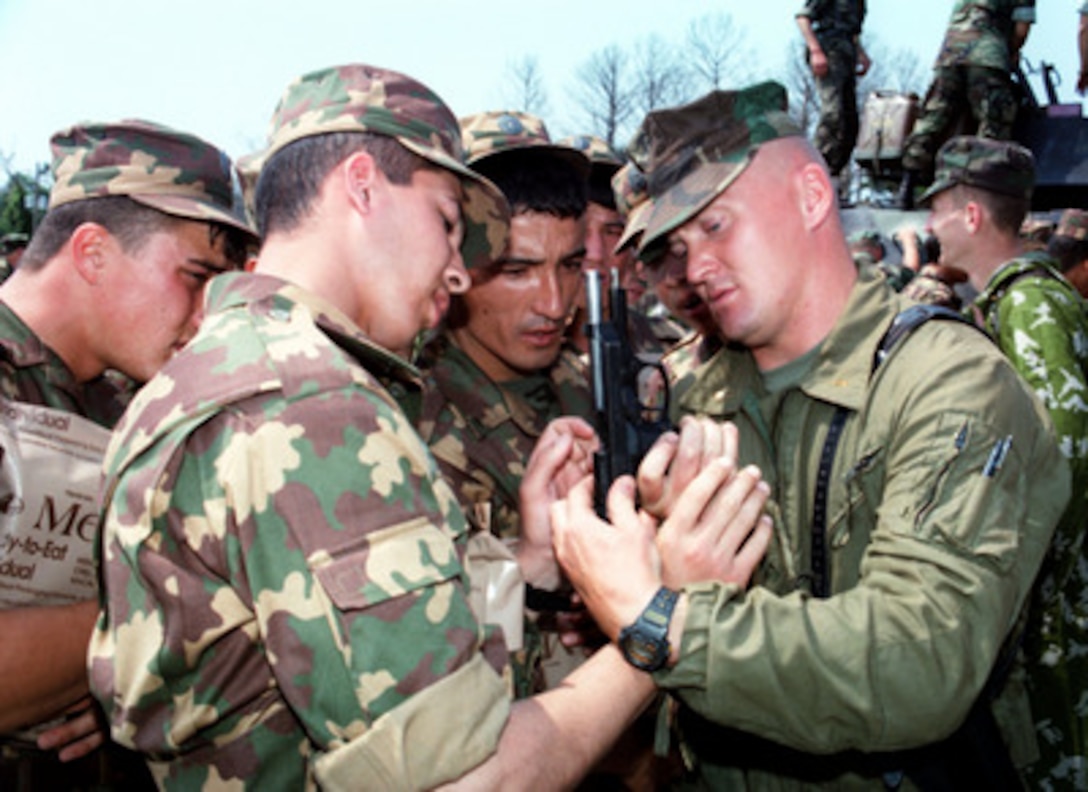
{"x":485,"y":212}
{"x":189,"y":208}
{"x":937,"y":187}
{"x":689,"y":196}
{"x":635,"y":225}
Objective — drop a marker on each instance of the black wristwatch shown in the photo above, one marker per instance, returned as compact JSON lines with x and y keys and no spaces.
{"x":645,"y":644}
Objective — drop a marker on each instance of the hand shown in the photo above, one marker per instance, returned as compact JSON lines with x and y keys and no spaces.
{"x":614,"y":567}
{"x":817,"y":61}
{"x":864,"y":64}
{"x":675,"y":460}
{"x":81,"y":732}
{"x":562,"y":456}
{"x":1082,"y":83}
{"x":718,"y":530}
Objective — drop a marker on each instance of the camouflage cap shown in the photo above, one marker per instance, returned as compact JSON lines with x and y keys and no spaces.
{"x":999,"y":166}
{"x":174,"y":172}
{"x":697,"y":150}
{"x":1073,"y":224}
{"x":596,"y":150}
{"x":13,"y":240}
{"x":502,"y":131}
{"x":362,"y":98}
{"x":633,"y":202}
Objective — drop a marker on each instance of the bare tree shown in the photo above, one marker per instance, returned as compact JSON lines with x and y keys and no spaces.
{"x":898,"y":69}
{"x":801,"y":86}
{"x":717,"y":53}
{"x":605,"y":93}
{"x":526,"y":86}
{"x":660,"y":80}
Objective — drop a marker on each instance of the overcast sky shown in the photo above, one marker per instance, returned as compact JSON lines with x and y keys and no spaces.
{"x":217,"y":67}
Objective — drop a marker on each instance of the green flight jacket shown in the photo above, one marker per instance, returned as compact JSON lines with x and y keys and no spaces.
{"x":931,"y":558}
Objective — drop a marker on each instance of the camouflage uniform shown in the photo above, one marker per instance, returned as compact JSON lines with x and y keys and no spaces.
{"x":681,"y":364}
{"x":31,"y":372}
{"x":972,"y":73}
{"x":933,"y":538}
{"x":482,"y":432}
{"x":285,"y":603}
{"x":1041,"y":324}
{"x":10,"y":244}
{"x":177,"y":174}
{"x":837,"y":25}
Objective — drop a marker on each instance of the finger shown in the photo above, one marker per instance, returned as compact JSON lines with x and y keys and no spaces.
{"x":689,"y":455}
{"x":750,"y":497}
{"x":698,"y":496}
{"x":713,"y":440}
{"x":74,"y":727}
{"x":654,"y":467}
{"x":725,"y":507}
{"x":548,"y":457}
{"x":755,"y":548}
{"x":620,"y":503}
{"x":81,"y":748}
{"x":730,"y":442}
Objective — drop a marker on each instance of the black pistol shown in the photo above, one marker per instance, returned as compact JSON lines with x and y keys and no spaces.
{"x":626,"y":427}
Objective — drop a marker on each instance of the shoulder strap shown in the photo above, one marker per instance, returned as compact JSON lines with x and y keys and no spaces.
{"x":905,"y":323}
{"x":909,"y":320}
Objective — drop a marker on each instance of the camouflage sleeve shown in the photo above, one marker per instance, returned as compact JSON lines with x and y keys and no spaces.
{"x":1043,"y":332}
{"x":304,"y":556}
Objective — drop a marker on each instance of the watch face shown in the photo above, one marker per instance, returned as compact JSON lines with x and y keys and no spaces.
{"x":642,"y":650}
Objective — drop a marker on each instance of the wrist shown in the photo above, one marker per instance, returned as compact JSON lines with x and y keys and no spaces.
{"x":538,"y":566}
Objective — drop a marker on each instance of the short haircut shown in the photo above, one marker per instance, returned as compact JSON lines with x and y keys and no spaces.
{"x":130,"y":221}
{"x":1006,"y":211}
{"x":1068,"y":252}
{"x":600,"y":187}
{"x":291,"y":180}
{"x":537,"y":181}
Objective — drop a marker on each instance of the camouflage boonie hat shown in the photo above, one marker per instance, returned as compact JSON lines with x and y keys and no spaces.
{"x":497,"y":132}
{"x":174,"y":172}
{"x":633,"y":202}
{"x":999,"y":166}
{"x":1073,"y":224}
{"x":361,"y":98}
{"x":695,"y":151}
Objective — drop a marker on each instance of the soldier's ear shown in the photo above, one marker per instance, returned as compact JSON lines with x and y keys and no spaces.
{"x":90,"y":245}
{"x":816,"y":195}
{"x":358,"y":174}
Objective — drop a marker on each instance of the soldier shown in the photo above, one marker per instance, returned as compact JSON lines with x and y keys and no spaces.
{"x":140,"y":216}
{"x":667,"y":275}
{"x":604,"y":226}
{"x":499,"y":369}
{"x":832,"y":33}
{"x":972,"y":75}
{"x":979,"y":200}
{"x":1069,"y":247}
{"x":907,"y":530}
{"x":285,"y":604}
{"x":12,"y":246}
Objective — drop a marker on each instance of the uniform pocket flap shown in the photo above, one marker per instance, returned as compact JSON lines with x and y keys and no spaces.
{"x":387,"y":563}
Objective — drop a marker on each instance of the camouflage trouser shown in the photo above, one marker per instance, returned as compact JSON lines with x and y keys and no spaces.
{"x":1056,"y":654}
{"x":986,"y":94}
{"x":837,"y":131}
